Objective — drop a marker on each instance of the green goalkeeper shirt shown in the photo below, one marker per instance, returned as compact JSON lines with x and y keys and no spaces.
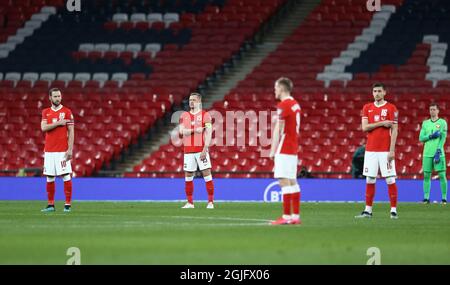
{"x":429,"y":127}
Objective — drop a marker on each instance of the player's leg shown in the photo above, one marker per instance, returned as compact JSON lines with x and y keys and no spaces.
{"x":189,"y":189}
{"x":50,"y":194}
{"x":67,"y":192}
{"x":388,"y":172}
{"x":64,"y":169}
{"x":50,"y":172}
{"x":283,"y":174}
{"x":207,"y":176}
{"x":190,"y":166}
{"x":441,"y":169}
{"x":427,"y":166}
{"x":443,"y":182}
{"x":296,"y":194}
{"x":426,"y":187}
{"x":205,"y":167}
{"x":393,"y":195}
{"x":371,"y":172}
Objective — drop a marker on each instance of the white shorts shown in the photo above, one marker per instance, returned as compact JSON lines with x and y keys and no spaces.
{"x":55,"y":164}
{"x":374,"y":160}
{"x":192,"y":160}
{"x":285,"y":166}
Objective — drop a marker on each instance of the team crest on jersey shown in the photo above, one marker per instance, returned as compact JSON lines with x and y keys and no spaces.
{"x":62,"y":116}
{"x":438,"y":126}
{"x":384,"y":112}
{"x":199,"y":118}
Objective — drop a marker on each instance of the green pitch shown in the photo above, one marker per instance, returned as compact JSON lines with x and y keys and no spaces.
{"x":233,"y":233}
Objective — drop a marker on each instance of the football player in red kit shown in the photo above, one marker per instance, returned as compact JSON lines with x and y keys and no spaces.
{"x":196,"y":129}
{"x":380,"y":121}
{"x":58,"y":125}
{"x":284,"y":150}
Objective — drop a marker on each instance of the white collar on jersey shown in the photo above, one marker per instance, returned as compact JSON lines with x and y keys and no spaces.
{"x":288,"y":97}
{"x":375,"y":103}
{"x":57,"y":109}
{"x":199,"y":110}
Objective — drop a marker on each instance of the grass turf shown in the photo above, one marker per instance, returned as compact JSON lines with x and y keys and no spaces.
{"x":233,"y":233}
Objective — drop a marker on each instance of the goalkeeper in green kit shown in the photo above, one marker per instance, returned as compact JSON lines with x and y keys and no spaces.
{"x":433,"y":135}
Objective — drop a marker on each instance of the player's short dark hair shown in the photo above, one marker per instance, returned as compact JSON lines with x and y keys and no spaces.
{"x":196,"y":94}
{"x":286,"y":82}
{"x":379,"y":84}
{"x":50,"y":92}
{"x":434,"y":104}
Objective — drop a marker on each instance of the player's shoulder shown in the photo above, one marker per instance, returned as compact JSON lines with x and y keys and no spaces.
{"x":368,"y":105}
{"x":185,"y":114}
{"x":391,"y":105}
{"x":293,"y":101}
{"x":66,"y":109}
{"x":46,"y":110}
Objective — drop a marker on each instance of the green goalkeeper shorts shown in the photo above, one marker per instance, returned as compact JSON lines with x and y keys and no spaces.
{"x":429,"y":165}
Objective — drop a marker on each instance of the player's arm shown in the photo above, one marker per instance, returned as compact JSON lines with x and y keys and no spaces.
{"x":366,"y":127}
{"x":70,"y":138}
{"x":443,"y":136}
{"x":45,"y":127}
{"x":394,"y":134}
{"x":182,"y":129}
{"x":279,"y":125}
{"x":207,"y":139}
{"x":185,"y":131}
{"x":423,"y":137}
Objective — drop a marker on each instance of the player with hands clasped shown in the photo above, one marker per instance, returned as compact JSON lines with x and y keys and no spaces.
{"x":433,"y":134}
{"x":196,"y":129}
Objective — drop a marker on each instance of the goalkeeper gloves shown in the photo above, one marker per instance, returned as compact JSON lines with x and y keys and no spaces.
{"x":437,"y":156}
{"x":434,"y":135}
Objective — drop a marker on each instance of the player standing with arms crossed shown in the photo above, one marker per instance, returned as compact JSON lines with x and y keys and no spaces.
{"x":433,"y":134}
{"x":380,"y":121}
{"x":58,"y":125}
{"x":196,"y":129}
{"x":284,"y":150}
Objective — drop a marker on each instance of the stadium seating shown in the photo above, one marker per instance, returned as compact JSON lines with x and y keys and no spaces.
{"x":122,"y":65}
{"x":330,"y":129}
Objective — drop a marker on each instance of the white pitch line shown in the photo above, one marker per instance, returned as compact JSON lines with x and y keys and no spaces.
{"x":216,"y":218}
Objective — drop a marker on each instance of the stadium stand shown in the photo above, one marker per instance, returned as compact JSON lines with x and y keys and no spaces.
{"x":122,"y":66}
{"x":398,"y":45}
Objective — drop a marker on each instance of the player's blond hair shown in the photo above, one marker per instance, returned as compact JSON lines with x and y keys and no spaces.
{"x":286,"y":83}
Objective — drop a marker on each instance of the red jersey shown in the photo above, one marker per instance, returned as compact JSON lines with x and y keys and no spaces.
{"x":379,"y":139}
{"x":56,"y":140}
{"x":195,"y":142}
{"x":289,"y":111}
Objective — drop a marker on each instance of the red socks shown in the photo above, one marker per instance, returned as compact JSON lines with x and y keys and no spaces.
{"x":287,"y":203}
{"x":210,"y":190}
{"x":295,"y":203}
{"x":189,"y":188}
{"x":392,"y":189}
{"x":51,"y":193}
{"x":370,"y":194}
{"x":68,"y":191}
